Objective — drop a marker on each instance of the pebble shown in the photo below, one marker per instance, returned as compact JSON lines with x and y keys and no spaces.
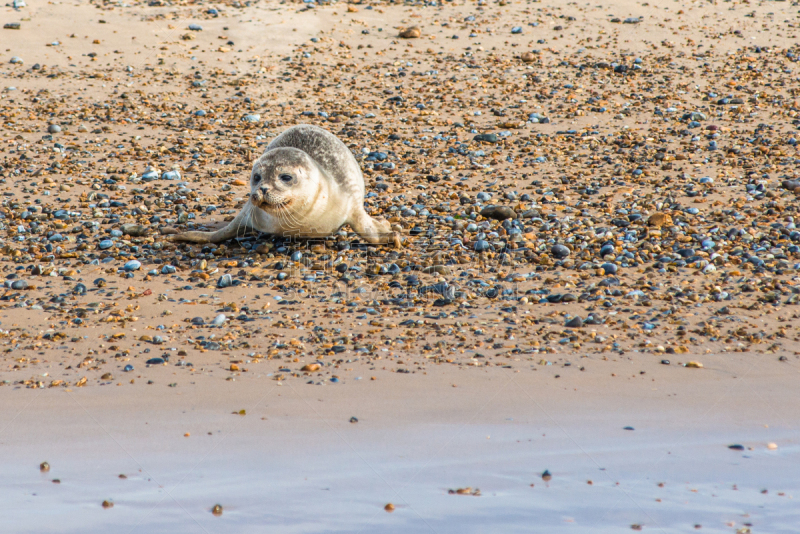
{"x":225,"y":281}
{"x":53,"y":128}
{"x":575,"y":322}
{"x":134,"y":230}
{"x":133,"y":265}
{"x":560,"y":252}
{"x":412,"y":32}
{"x":499,"y":213}
{"x":609,"y":268}
{"x":219,"y":320}
{"x":487,"y":138}
{"x":482,"y":246}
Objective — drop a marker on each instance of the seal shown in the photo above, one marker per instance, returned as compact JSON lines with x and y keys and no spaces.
{"x":306,"y":184}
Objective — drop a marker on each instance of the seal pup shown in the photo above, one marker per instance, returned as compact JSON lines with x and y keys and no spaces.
{"x":306,"y":184}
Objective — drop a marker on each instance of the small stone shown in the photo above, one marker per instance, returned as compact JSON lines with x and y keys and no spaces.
{"x":133,"y":265}
{"x":225,"y":281}
{"x":559,"y":252}
{"x":354,"y":420}
{"x":19,"y":285}
{"x":736,"y":447}
{"x":499,"y":213}
{"x":609,"y":268}
{"x":44,"y":467}
{"x":16,"y":60}
{"x":482,"y":246}
{"x":217,"y":510}
{"x":546,"y":476}
{"x":442,"y":270}
{"x":105,"y":244}
{"x":134,"y":230}
{"x":219,"y":320}
{"x":791,"y":185}
{"x":606,"y":250}
{"x":53,"y":128}
{"x":171,"y":175}
{"x":575,"y":322}
{"x":195,"y":27}
{"x":412,"y":32}
{"x":659,"y":219}
{"x":108,"y":504}
{"x":487,"y":138}
{"x":389,"y":507}
{"x":693,"y":365}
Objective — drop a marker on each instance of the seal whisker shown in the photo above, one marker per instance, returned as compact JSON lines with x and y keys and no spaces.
{"x":288,"y":217}
{"x":245,"y":219}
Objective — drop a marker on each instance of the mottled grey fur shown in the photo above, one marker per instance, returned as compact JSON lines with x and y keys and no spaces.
{"x":330,"y":154}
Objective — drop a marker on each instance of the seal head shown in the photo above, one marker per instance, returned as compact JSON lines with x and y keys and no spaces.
{"x":282,"y":178}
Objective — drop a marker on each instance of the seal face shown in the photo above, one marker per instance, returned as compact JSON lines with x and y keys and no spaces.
{"x":306,"y":184}
{"x":280,"y":177}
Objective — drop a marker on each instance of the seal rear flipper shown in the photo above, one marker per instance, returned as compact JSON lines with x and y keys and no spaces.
{"x":376,"y":231}
{"x":239,"y":226}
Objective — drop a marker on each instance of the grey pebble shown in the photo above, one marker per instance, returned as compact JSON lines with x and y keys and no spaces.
{"x":133,"y":265}
{"x":559,"y":252}
{"x":609,"y":268}
{"x":575,"y":322}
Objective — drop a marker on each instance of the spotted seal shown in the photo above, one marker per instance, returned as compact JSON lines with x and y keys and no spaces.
{"x":306,"y":184}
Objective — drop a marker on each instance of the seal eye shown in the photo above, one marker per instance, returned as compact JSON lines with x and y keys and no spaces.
{"x":256,"y":178}
{"x":286,"y":178}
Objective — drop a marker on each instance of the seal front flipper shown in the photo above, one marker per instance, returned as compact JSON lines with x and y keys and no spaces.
{"x":239,"y":226}
{"x":375,"y":231}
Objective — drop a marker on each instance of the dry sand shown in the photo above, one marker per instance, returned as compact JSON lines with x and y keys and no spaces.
{"x":639,"y":105}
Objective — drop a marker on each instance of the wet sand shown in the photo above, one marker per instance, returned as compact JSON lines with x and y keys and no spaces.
{"x":296,"y":462}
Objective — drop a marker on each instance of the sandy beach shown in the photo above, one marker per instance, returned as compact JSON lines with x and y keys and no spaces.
{"x":591,"y":324}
